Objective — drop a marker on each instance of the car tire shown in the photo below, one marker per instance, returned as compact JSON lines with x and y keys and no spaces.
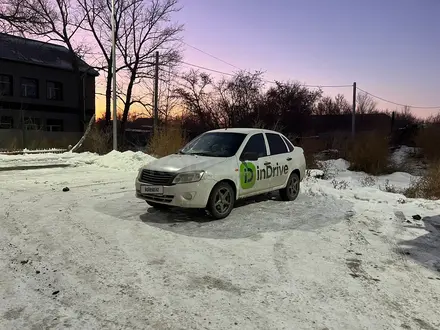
{"x":158,"y":205}
{"x":291,"y":191}
{"x":221,"y":200}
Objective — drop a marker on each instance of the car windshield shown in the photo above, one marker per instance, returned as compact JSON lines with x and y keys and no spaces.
{"x":215,"y":144}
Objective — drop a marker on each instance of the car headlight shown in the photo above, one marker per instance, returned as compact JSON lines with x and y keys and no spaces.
{"x":188,"y":177}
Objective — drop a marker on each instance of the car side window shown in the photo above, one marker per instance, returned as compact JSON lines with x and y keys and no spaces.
{"x":256,"y":144}
{"x":276,"y":144}
{"x":289,"y":144}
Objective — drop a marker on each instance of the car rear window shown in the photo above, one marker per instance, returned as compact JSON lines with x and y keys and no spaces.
{"x":276,"y":144}
{"x":289,"y":144}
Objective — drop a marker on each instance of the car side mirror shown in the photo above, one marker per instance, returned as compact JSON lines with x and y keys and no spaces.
{"x":249,"y":156}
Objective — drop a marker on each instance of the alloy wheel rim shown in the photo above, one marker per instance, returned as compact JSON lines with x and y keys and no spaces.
{"x":223,"y":200}
{"x":293,"y":186}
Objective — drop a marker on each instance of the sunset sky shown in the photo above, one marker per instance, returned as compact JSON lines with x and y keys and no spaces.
{"x":391,"y":48}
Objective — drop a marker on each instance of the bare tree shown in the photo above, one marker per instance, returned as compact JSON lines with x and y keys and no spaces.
{"x":167,"y":99}
{"x":142,"y":28}
{"x":326,"y":106}
{"x":237,"y":97}
{"x":97,"y":15}
{"x":342,"y":104}
{"x":146,"y":29}
{"x":365,"y":104}
{"x":406,"y":111}
{"x":406,"y":115}
{"x":12,"y":13}
{"x":195,"y":91}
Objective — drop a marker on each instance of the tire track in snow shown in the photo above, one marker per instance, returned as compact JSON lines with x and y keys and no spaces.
{"x":46,"y":277}
{"x":280,"y":257}
{"x":358,"y":241}
{"x":123,"y":287}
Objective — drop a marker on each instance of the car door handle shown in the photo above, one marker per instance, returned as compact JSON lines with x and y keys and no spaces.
{"x":289,"y":159}
{"x":267,"y":163}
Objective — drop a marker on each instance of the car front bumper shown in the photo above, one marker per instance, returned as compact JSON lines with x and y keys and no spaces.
{"x":187,"y":195}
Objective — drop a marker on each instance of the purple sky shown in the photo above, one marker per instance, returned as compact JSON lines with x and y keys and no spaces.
{"x":391,"y":48}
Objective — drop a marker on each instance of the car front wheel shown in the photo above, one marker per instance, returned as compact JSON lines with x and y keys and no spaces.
{"x":291,"y":191}
{"x":221,"y":201}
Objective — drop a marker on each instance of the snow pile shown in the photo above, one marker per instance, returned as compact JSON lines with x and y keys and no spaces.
{"x":126,"y":161}
{"x":401,"y":154}
{"x":406,"y":159}
{"x":382,"y":194}
{"x":337,"y":171}
{"x":34,"y":159}
{"x":35,"y":151}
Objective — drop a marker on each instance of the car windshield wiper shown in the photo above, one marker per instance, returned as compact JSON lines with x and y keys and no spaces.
{"x":201,"y":153}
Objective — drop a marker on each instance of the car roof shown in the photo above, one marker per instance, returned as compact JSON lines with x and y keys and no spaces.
{"x":244,"y":130}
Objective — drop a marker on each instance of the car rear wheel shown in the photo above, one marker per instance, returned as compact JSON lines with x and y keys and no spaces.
{"x":158,"y":205}
{"x":291,"y":191}
{"x":221,"y":201}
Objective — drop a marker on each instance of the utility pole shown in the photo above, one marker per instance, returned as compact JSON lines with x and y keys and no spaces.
{"x":353,"y":116}
{"x":23,"y":134}
{"x":115,"y":115}
{"x":393,"y":118}
{"x":156,"y":92}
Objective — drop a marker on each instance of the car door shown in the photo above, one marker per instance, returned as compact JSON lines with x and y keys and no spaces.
{"x":278,"y":169}
{"x":250,"y":181}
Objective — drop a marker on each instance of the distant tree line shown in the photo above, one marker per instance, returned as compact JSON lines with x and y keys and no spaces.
{"x":243,"y":101}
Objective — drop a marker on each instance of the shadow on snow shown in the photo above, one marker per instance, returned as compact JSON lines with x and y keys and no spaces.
{"x":425,"y":249}
{"x":249,"y":218}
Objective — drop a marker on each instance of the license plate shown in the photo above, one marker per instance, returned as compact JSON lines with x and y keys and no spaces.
{"x":151,"y":190}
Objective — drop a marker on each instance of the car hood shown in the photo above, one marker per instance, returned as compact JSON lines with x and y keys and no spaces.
{"x":183,"y":163}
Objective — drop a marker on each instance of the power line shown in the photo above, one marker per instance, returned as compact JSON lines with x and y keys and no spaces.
{"x":395,"y":103}
{"x":327,"y":86}
{"x":234,"y":66}
{"x":207,"y":69}
{"x":273,"y":82}
{"x":213,"y":56}
{"x":265,"y":80}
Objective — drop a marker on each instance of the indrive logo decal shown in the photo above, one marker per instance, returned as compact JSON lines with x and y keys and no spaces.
{"x":248,"y":175}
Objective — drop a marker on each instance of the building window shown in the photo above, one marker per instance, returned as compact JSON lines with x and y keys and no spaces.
{"x":54,"y":125}
{"x":32,"y":124}
{"x":54,"y":91}
{"x":6,"y":122}
{"x":5,"y":85}
{"x":29,"y":88}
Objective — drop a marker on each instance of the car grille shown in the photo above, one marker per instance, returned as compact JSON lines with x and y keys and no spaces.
{"x":157,"y":177}
{"x":159,"y":198}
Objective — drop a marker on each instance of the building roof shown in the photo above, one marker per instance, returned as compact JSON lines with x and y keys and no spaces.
{"x":36,"y":52}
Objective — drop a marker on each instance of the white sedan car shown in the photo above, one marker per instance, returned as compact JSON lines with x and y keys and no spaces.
{"x":219,"y":167}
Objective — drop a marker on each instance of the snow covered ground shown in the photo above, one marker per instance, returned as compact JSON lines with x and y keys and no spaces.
{"x":345,"y":255}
